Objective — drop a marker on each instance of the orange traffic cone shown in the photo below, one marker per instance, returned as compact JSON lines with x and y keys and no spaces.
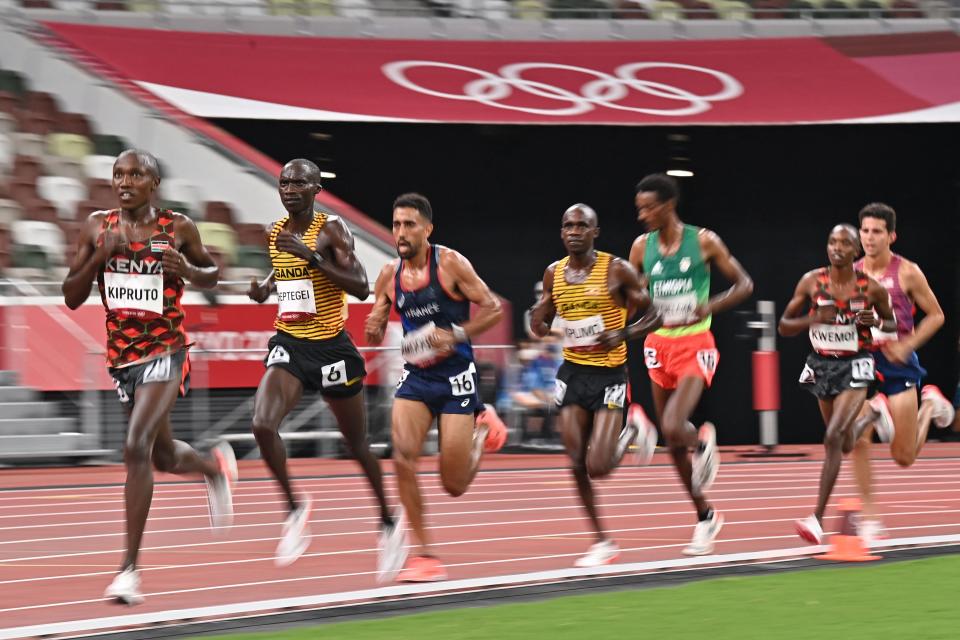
{"x":847,"y":546}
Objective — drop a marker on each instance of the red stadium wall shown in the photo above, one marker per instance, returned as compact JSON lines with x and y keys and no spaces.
{"x":55,"y":349}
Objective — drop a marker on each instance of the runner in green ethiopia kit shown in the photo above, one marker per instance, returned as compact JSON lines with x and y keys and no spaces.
{"x":681,"y":357}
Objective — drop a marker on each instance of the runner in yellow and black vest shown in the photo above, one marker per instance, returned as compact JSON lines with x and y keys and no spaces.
{"x":314,"y":268}
{"x":681,"y":357}
{"x":591,"y":294}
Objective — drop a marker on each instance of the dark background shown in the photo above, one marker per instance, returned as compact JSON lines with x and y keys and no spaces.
{"x":772,"y":193}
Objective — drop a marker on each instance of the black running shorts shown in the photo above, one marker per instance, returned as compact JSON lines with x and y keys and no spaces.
{"x":333,"y":367}
{"x":592,"y":388}
{"x":828,"y":376}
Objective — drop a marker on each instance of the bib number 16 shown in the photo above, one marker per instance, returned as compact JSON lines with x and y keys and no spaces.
{"x":463,"y":384}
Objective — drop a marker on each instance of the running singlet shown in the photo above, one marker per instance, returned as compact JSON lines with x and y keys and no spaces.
{"x":424,"y":309}
{"x":309,"y":306}
{"x":843,"y":337}
{"x":586,"y":311}
{"x":903,"y":308}
{"x":678,"y":283}
{"x":144,"y":316}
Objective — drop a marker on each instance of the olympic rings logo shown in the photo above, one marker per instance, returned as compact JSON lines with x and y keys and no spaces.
{"x":604,"y":90}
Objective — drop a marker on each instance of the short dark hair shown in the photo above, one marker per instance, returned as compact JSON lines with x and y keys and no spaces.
{"x":145,"y":158}
{"x":415,"y":201}
{"x":663,"y":185}
{"x":882,"y":211}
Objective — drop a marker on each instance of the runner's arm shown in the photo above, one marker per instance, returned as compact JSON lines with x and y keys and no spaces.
{"x":793,"y":320}
{"x":192,"y":261}
{"x":336,"y":258}
{"x":719,"y":255}
{"x":468,"y":283}
{"x":543,"y":311}
{"x":376,"y":324}
{"x":86,"y":263}
{"x":880,"y":299}
{"x":637,"y":299}
{"x":260,"y":291}
{"x":923,"y":297}
{"x":637,"y":251}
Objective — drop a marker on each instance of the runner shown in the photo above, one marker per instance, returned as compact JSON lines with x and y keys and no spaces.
{"x":900,"y":417}
{"x":314,"y":268}
{"x":140,"y":257}
{"x":432,"y":288}
{"x":681,"y":357}
{"x":593,"y":293}
{"x":844,"y":304}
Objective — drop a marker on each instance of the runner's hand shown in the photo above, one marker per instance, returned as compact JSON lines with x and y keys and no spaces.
{"x":443,"y":341}
{"x":826,"y":314}
{"x":868,"y":318}
{"x":111,"y":243}
{"x":612,"y":338}
{"x":174,"y":264}
{"x":374,"y":329}
{"x":292,"y":243}
{"x":701,"y":312}
{"x":256,"y":292}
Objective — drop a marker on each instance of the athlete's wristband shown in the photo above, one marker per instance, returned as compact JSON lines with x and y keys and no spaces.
{"x":316,"y":261}
{"x":459,"y":334}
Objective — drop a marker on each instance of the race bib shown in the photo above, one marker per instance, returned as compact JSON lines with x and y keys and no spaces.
{"x":834,"y":338}
{"x":614,"y":396}
{"x":581,"y":335}
{"x":560,"y":391}
{"x":134,"y":295}
{"x":295,"y":301}
{"x":676,"y":310}
{"x":463,"y":384}
{"x":416,"y":348}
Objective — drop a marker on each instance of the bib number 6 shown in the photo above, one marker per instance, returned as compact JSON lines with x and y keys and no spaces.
{"x":334,"y":374}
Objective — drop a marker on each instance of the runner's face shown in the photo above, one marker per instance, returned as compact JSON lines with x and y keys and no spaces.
{"x":874,"y":236}
{"x":296,"y":188}
{"x":842,"y":247}
{"x":410,"y":231}
{"x":133,"y":182}
{"x":650,"y":211}
{"x":578,"y":231}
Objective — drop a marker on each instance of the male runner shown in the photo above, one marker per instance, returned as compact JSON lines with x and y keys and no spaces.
{"x":592,"y":293}
{"x":314,"y":268}
{"x":844,"y":303}
{"x":139,"y":257}
{"x":681,"y":357}
{"x":432,"y":288}
{"x":894,"y":410}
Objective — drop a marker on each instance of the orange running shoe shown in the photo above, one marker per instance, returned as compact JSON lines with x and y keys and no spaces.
{"x":423,"y":569}
{"x":496,"y":429}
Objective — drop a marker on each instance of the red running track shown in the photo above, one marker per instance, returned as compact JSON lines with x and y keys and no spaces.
{"x":61,"y":537}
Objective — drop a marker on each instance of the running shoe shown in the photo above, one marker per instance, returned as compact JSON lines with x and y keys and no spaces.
{"x":884,"y":422}
{"x":870,"y":530}
{"x":704,"y":534}
{"x":125,"y":588}
{"x":810,"y":530}
{"x":423,"y":569}
{"x":496,"y":435}
{"x":943,"y":412}
{"x":295,"y":537}
{"x":599,"y":554}
{"x":220,"y":488}
{"x":645,"y":442}
{"x":392,"y":548}
{"x":706,"y":459}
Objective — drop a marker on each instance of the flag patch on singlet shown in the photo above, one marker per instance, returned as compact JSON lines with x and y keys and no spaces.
{"x":159,"y":246}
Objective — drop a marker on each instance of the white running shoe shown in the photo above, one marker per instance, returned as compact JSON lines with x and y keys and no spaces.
{"x":884,"y":423}
{"x":125,"y":588}
{"x":220,"y":489}
{"x":599,"y":554}
{"x":706,"y":459}
{"x":810,"y":530}
{"x":645,"y":442}
{"x":870,"y":530}
{"x":296,"y":535}
{"x":392,"y":548}
{"x":943,"y":412}
{"x":704,"y":534}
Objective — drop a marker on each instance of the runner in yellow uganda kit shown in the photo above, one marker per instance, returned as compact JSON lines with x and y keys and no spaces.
{"x":592,"y":293}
